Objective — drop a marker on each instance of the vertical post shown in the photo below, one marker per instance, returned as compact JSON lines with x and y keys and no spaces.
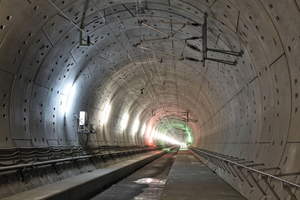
{"x":187,"y":116}
{"x":204,"y":39}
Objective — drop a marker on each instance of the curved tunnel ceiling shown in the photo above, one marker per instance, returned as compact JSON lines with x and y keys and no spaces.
{"x":249,"y":110}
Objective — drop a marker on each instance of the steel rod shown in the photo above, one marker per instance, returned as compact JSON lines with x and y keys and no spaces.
{"x":230,"y":169}
{"x":254,"y":165}
{"x":288,"y":174}
{"x":204,"y":40}
{"x":164,"y":33}
{"x":161,"y":22}
{"x":221,"y":61}
{"x":241,"y":170}
{"x":237,"y":173}
{"x":233,"y":53}
{"x":221,"y":166}
{"x":224,"y":166}
{"x":256,"y":183}
{"x":287,"y":188}
{"x":170,"y":54}
{"x":270,"y":187}
{"x":271,"y":168}
{"x":245,"y":162}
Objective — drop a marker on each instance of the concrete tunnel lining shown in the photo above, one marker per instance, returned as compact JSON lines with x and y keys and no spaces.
{"x":249,"y":110}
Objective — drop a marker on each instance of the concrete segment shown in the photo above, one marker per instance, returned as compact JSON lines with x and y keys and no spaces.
{"x":250,"y":111}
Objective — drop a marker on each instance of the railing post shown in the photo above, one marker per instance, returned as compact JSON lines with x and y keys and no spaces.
{"x":241,"y":170}
{"x":287,"y":188}
{"x":270,"y":187}
{"x":257,"y":184}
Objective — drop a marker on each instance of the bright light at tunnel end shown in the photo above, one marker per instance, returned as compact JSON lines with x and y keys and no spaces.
{"x":165,"y":138}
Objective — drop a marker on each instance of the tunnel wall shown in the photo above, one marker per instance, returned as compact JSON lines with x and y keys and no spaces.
{"x":249,"y":110}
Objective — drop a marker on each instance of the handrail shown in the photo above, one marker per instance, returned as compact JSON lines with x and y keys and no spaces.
{"x":248,"y":168}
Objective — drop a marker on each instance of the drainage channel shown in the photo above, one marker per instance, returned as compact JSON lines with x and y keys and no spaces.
{"x":144,"y":184}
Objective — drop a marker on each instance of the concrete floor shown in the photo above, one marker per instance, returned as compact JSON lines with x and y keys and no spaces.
{"x":190,"y":179}
{"x":145,"y":184}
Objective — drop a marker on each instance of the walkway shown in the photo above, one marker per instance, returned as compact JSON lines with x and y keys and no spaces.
{"x":190,"y":179}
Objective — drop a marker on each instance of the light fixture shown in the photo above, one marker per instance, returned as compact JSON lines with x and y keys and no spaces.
{"x":105,"y":113}
{"x":124,"y":121}
{"x":72,"y":92}
{"x":189,"y":139}
{"x":143,"y":129}
{"x":136,"y":126}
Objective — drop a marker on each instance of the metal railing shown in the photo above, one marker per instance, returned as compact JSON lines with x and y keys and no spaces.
{"x":33,"y":158}
{"x":235,"y":166}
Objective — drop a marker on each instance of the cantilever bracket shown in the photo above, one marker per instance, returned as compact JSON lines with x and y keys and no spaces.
{"x":205,"y":49}
{"x":80,"y":39}
{"x":87,"y":130}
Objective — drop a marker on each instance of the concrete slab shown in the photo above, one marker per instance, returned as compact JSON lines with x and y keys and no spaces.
{"x":144,"y":184}
{"x":190,"y":179}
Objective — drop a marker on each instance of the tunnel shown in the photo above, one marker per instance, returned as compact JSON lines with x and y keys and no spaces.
{"x":217,"y":76}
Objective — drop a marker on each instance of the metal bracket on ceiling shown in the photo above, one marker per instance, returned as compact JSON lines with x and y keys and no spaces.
{"x":205,"y":49}
{"x":88,"y":42}
{"x":194,"y":47}
{"x":163,"y":22}
{"x":166,"y":53}
{"x":190,"y":120}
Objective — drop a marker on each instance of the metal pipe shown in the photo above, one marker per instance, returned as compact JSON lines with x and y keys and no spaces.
{"x":161,"y":22}
{"x":170,"y":54}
